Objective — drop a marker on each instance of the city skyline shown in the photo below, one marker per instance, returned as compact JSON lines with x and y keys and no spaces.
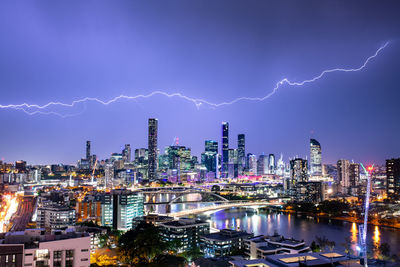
{"x":230,"y":52}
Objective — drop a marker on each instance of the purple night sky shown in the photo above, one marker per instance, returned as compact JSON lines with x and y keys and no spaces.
{"x":215,"y":50}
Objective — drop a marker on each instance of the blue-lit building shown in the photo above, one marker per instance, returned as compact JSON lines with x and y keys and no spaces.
{"x":224,"y":242}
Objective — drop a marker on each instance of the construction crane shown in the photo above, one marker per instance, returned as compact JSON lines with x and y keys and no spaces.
{"x":94,"y":169}
{"x":363,"y":227}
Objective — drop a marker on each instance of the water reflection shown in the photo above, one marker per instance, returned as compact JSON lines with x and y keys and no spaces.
{"x":300,"y":227}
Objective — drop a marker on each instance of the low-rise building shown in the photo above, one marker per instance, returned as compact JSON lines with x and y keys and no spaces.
{"x":259,"y":247}
{"x":36,"y":247}
{"x":53,"y":217}
{"x":224,"y":242}
{"x":321,"y":259}
{"x":185,"y":231}
{"x":154,"y":219}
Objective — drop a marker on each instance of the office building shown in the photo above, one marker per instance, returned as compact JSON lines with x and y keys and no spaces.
{"x":225,"y":149}
{"x":241,"y":151}
{"x":53,"y":217}
{"x":354,"y":174}
{"x":343,"y":173}
{"x":126,"y":153}
{"x":152,"y":149}
{"x":298,"y":171}
{"x":315,"y":158}
{"x":223,"y":243}
{"x":88,"y":150}
{"x":393,"y":178}
{"x":271,"y":164}
{"x":311,"y":192}
{"x":211,"y":146}
{"x":185,"y":231}
{"x":262,"y":165}
{"x":252,"y":163}
{"x":126,"y":206}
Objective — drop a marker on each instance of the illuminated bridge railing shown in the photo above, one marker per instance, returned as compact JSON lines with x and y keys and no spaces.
{"x":222,"y":206}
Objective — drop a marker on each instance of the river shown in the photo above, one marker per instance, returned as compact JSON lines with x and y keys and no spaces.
{"x":301,"y":227}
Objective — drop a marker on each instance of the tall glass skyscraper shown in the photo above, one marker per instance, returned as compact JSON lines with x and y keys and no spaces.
{"x":241,"y":151}
{"x":271,"y":164}
{"x":88,"y":150}
{"x":225,"y":149}
{"x":315,"y":158}
{"x":211,"y":146}
{"x":152,"y":149}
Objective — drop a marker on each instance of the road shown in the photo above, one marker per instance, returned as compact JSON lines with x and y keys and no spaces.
{"x":24,"y":213}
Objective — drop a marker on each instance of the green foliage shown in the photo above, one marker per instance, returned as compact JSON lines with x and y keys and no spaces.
{"x":142,"y":245}
{"x":324,"y":242}
{"x":168,"y":261}
{"x":333,"y":207}
{"x":347,"y":244}
{"x":192,"y":254}
{"x":314,"y":247}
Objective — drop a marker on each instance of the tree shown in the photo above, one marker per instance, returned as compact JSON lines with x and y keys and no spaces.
{"x":324,"y":242}
{"x":384,"y":251}
{"x":141,"y":245}
{"x":314,"y":247}
{"x":168,"y":261}
{"x":347,"y":245}
{"x":192,"y":254}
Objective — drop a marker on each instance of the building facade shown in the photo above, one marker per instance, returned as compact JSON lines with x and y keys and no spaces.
{"x":315,"y":158}
{"x":152,"y":148}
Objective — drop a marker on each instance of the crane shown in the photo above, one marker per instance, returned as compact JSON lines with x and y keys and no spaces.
{"x":94,"y":169}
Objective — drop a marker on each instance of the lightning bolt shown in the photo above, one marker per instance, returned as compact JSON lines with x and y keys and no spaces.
{"x":33,"y":109}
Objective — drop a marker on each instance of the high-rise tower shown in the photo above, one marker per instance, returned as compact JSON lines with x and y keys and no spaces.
{"x":126,"y":153}
{"x":315,"y":158}
{"x":241,"y":151}
{"x":88,"y":150}
{"x":225,"y":149}
{"x":152,"y":149}
{"x":393,"y":177}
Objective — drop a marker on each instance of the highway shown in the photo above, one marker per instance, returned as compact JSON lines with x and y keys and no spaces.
{"x":24,"y":213}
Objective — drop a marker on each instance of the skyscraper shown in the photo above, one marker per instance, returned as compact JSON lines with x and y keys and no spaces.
{"x":126,"y":153}
{"x":211,"y":146}
{"x":88,"y":150}
{"x":225,"y":149}
{"x":209,"y":158}
{"x":252,"y":163}
{"x":262,"y":165}
{"x":152,"y":149}
{"x":241,"y":151}
{"x":343,"y":173}
{"x":393,"y":177}
{"x":315,"y":158}
{"x":298,"y":171}
{"x":271,"y":164}
{"x":354,"y":174}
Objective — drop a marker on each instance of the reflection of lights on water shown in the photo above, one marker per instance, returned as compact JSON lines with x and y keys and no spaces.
{"x":377,"y":236}
{"x":354,"y":231}
{"x":256,"y":220}
{"x":238,"y":221}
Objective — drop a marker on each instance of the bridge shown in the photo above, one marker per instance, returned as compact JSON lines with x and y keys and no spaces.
{"x":223,"y":206}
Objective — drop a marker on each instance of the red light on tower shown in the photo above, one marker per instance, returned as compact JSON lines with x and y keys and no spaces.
{"x":370,"y":168}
